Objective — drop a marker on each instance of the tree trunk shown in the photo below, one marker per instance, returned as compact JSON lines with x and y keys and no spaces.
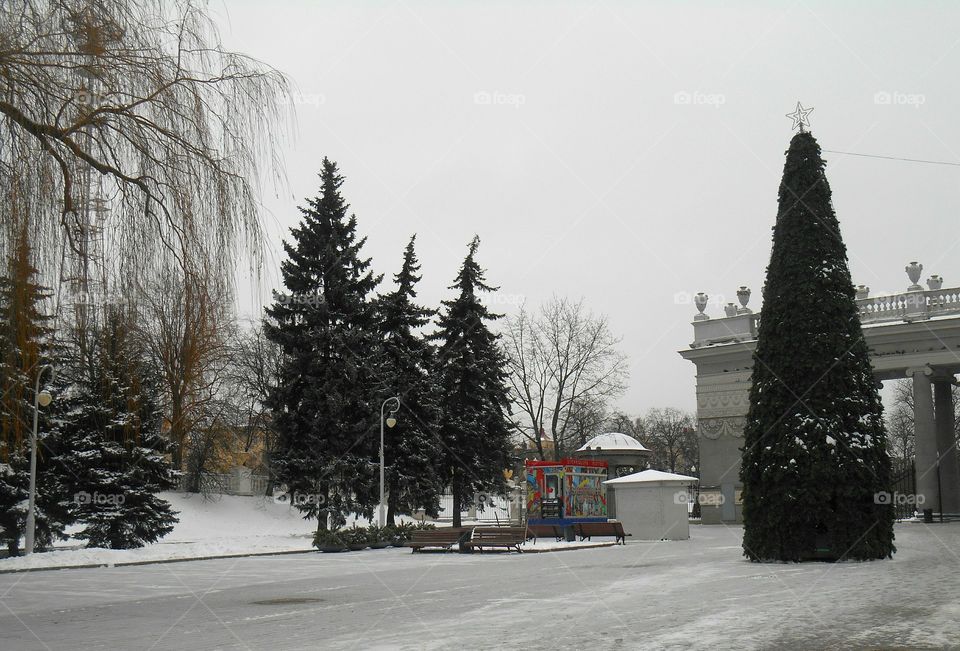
{"x":391,"y":511}
{"x":455,"y":489}
{"x":322,"y":512}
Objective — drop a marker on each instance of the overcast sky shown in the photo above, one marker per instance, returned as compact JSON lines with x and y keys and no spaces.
{"x":625,"y":153}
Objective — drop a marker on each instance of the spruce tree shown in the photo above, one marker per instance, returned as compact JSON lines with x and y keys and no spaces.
{"x":328,"y":395}
{"x":26,"y":347}
{"x":815,"y":453}
{"x":473,"y":399}
{"x":112,"y":442}
{"x":410,"y":451}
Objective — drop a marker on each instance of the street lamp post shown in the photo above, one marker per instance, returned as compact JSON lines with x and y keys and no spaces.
{"x":391,"y":421}
{"x":39,"y":400}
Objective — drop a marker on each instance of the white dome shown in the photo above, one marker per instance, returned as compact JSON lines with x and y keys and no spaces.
{"x":650,"y":476}
{"x":612,"y":441}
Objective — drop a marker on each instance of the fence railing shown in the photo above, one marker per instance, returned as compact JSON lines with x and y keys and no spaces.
{"x":229,"y":483}
{"x":258,"y":484}
{"x":495,"y":508}
{"x":904,"y":487}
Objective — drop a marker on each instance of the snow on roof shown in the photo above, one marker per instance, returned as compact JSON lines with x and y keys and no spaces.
{"x":650,"y":476}
{"x":612,"y":441}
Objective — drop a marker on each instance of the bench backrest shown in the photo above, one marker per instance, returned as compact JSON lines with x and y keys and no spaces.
{"x":431,"y":535}
{"x":599,"y":528}
{"x":500,"y":533}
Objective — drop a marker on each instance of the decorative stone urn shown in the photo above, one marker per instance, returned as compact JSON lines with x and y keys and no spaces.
{"x":730,"y":309}
{"x":743,"y":295}
{"x":914,"y":269}
{"x":700,"y":300}
{"x":862,"y":292}
{"x":934,"y":282}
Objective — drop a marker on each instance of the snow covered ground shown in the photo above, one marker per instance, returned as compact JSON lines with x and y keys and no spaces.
{"x":694,"y":594}
{"x":223,"y":526}
{"x":220,"y":526}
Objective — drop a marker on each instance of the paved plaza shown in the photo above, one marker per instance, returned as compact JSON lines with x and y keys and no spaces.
{"x":697,"y":594}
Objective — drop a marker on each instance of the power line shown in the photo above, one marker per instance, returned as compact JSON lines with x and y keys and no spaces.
{"x":909,"y":160}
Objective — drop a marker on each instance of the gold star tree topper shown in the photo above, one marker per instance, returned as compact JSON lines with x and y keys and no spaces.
{"x":799,"y":117}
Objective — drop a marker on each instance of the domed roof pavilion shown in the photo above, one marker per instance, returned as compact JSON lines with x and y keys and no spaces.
{"x":614,"y":442}
{"x":624,"y":455}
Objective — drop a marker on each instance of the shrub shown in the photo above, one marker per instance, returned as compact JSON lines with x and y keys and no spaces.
{"x":377,"y":534}
{"x":355,"y":536}
{"x":400,"y":533}
{"x":327,"y":539}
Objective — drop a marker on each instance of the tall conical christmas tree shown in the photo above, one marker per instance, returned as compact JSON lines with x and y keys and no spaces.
{"x":474,"y":426}
{"x":411,"y":451}
{"x":815,"y":453}
{"x":327,"y":399}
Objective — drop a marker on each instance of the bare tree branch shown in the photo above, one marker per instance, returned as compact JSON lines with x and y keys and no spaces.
{"x":137,"y":98}
{"x":564,"y":364}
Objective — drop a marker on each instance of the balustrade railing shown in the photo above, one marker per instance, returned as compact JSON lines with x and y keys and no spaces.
{"x":883,"y":308}
{"x":943,"y":301}
{"x":740,"y":324}
{"x":910,"y":305}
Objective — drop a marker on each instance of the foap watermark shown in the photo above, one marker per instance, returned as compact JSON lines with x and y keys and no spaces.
{"x":500,"y":298}
{"x":304,"y":99}
{"x":683,"y":98}
{"x":687,"y":298}
{"x":713,"y":498}
{"x":88,"y":98}
{"x":92,"y":298}
{"x":484,"y":501}
{"x":497,"y":98}
{"x":898,"y":499}
{"x":83,"y":498}
{"x":313,"y":299}
{"x":299,"y":499}
{"x":887,"y":98}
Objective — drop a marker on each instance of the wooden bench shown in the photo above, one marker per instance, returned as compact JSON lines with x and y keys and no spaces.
{"x":488,"y":537}
{"x":587,"y":529}
{"x":444,"y":538}
{"x":535,"y":531}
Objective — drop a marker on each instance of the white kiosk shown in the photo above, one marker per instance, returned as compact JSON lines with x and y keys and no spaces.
{"x":652,"y":505}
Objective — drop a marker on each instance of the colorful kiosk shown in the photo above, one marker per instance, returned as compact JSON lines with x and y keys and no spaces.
{"x":566,"y":491}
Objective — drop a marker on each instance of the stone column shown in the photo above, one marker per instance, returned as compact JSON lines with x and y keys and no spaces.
{"x":925,"y":437}
{"x":946,"y":444}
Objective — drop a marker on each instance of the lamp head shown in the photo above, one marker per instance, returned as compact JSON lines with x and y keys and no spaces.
{"x":44,"y":398}
{"x":391,"y":421}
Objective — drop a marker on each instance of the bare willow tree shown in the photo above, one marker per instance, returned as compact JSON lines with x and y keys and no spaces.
{"x":132,"y":105}
{"x":560,"y":360}
{"x":186,"y":324}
